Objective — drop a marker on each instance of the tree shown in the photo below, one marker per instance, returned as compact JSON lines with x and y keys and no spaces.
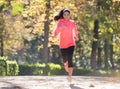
{"x":46,"y":32}
{"x":1,"y":34}
{"x":94,"y":46}
{"x":109,"y":12}
{"x":95,"y":40}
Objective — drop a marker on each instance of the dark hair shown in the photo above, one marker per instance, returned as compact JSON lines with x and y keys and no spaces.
{"x":60,"y":14}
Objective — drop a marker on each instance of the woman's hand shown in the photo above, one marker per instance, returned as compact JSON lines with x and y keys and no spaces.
{"x":76,"y":38}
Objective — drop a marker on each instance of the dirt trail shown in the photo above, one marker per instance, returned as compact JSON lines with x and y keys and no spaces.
{"x":58,"y":82}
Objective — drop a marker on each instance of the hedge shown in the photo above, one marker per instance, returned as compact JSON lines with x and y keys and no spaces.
{"x":8,"y":67}
{"x":49,"y":69}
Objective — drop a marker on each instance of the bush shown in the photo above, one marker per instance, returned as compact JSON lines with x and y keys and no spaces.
{"x":49,"y":69}
{"x":55,"y":69}
{"x":41,"y":69}
{"x":31,"y":69}
{"x":81,"y":71}
{"x":12,"y":68}
{"x":3,"y":66}
{"x":8,"y":67}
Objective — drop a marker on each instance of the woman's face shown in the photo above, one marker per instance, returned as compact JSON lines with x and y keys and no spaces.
{"x":66,"y":15}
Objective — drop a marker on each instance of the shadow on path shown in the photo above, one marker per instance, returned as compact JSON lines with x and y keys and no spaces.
{"x":12,"y":87}
{"x":72,"y":86}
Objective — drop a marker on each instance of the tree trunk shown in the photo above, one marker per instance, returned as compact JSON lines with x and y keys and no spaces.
{"x":2,"y":45}
{"x":46,"y":33}
{"x":93,"y":55}
{"x":1,"y":34}
{"x":106,"y":51}
{"x":99,"y":62}
{"x":111,"y":56}
{"x":94,"y":45}
{"x":111,"y":53}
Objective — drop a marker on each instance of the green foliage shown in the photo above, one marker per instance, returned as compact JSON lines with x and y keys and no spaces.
{"x":105,"y":4}
{"x":100,"y":73}
{"x":31,"y":69}
{"x":1,"y":7}
{"x":50,"y":68}
{"x":40,"y":69}
{"x":3,"y":66}
{"x":8,"y":67}
{"x":17,"y":8}
{"x":12,"y":68}
{"x":82,"y":71}
{"x":55,"y":69}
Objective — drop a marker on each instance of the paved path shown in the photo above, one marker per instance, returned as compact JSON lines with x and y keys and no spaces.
{"x":58,"y":82}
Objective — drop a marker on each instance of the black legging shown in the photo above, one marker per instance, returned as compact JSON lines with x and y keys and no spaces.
{"x":67,"y":54}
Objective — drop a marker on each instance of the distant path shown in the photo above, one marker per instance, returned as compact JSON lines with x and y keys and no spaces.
{"x":58,"y":82}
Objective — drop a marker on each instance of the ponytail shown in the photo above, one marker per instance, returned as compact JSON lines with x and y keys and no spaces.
{"x":59,"y":15}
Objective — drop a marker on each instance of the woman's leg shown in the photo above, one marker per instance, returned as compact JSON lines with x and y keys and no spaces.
{"x":65,"y":59}
{"x":70,"y":71}
{"x":70,"y":62}
{"x":67,"y":55}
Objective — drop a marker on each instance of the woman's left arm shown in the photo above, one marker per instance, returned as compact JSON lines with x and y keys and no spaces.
{"x":75,"y":31}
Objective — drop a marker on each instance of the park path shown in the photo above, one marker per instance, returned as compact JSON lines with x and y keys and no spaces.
{"x":58,"y":82}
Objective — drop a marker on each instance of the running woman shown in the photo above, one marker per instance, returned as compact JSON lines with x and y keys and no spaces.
{"x":66,"y":29}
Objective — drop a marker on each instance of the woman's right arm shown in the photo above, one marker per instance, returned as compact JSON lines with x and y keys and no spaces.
{"x":57,"y":29}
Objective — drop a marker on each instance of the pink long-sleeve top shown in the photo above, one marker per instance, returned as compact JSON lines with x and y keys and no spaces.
{"x":67,"y":32}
